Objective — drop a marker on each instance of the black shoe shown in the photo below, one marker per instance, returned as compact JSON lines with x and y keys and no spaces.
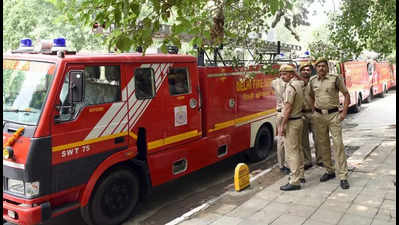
{"x":327,"y":176}
{"x":302,"y":180}
{"x":344,"y":184}
{"x":290,"y":187}
{"x":285,"y":170}
{"x":306,"y":167}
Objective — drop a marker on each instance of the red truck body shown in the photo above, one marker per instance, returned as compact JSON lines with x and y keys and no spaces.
{"x":357,"y":81}
{"x":158,"y":136}
{"x":382,"y":77}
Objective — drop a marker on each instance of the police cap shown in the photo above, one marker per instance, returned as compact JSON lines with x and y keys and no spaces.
{"x":305,"y":64}
{"x":287,"y":68}
{"x":319,"y":60}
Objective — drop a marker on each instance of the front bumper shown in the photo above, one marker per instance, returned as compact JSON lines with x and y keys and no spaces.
{"x":26,"y":215}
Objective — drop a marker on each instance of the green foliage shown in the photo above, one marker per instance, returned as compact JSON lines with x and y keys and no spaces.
{"x":327,"y":50}
{"x":367,"y":24}
{"x":132,"y":23}
{"x":41,"y":20}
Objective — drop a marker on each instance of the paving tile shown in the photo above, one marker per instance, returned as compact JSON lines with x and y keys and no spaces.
{"x":289,"y":219}
{"x":289,"y":199}
{"x":350,"y":219}
{"x":391,"y":195}
{"x":383,"y":222}
{"x":301,"y":210}
{"x":266,"y":217}
{"x":247,"y":209}
{"x":362,"y":210}
{"x":344,"y":196}
{"x":327,"y":216}
{"x":224,"y":208}
{"x":227,"y":220}
{"x":369,"y":200}
{"x":388,"y":204}
{"x":335,"y":205}
{"x":249,"y":221}
{"x":314,"y":202}
{"x":386,"y":214}
{"x":315,"y":222}
{"x":276,"y":207}
{"x":268,"y":195}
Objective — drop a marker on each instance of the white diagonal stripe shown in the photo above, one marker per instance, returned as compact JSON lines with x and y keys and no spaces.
{"x":95,"y":132}
{"x":115,"y":122}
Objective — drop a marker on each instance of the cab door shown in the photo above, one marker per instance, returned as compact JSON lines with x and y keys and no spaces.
{"x":90,"y":127}
{"x":182,"y":111}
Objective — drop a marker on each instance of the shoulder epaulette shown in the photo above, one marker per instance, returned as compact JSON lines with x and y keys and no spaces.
{"x":312,"y":77}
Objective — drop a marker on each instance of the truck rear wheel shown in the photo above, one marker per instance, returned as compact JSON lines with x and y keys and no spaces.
{"x":113,"y":199}
{"x":263,"y":145}
{"x":356,"y":107}
{"x":368,"y":99}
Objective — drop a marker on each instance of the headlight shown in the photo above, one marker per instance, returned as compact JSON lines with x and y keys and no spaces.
{"x":16,"y":186}
{"x":29,"y":189}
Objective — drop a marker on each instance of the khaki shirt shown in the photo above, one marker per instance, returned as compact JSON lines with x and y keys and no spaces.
{"x":326,"y":90}
{"x":294,"y":95}
{"x":278,"y":86}
{"x":306,"y":97}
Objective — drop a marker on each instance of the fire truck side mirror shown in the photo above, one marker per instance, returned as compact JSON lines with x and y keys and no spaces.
{"x":76,"y":86}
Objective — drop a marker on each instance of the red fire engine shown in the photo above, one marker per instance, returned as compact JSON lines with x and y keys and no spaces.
{"x":357,"y":81}
{"x":96,"y":132}
{"x":381,"y":78}
{"x":393,"y":79}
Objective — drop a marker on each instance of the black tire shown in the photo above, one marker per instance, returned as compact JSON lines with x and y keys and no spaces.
{"x":263,"y":145}
{"x":113,"y":199}
{"x":368,"y":99}
{"x":382,"y":93}
{"x":357,"y":106}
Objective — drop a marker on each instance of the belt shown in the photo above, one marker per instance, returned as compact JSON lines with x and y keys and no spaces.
{"x":326,"y":111}
{"x":306,"y":110}
{"x":278,"y":110}
{"x":295,"y":118}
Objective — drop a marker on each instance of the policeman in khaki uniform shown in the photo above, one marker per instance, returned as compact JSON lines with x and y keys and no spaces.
{"x":305,"y":71}
{"x":278,"y":86}
{"x":324,"y":90}
{"x":291,"y":127}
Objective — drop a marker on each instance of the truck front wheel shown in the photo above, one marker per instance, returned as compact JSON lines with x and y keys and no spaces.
{"x":263,"y":145}
{"x":113,"y":199}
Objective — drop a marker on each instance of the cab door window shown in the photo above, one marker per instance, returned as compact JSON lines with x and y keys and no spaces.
{"x":102,"y":84}
{"x":144,"y":83}
{"x":178,"y":81}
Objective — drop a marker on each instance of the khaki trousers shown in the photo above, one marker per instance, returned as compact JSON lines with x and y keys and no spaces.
{"x":294,"y":155}
{"x":280,"y":143}
{"x":325,"y":124}
{"x":308,"y":126}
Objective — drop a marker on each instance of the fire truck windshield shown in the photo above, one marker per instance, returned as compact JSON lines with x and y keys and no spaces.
{"x":25,"y":88}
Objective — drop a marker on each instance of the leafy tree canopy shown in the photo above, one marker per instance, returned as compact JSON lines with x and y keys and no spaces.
{"x":202,"y":22}
{"x":41,"y":20}
{"x":366,"y":24}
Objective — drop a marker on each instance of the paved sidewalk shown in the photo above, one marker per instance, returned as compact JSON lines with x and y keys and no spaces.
{"x":371,"y":199}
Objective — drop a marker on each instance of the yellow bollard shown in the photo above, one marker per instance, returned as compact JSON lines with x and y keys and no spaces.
{"x":241,"y":177}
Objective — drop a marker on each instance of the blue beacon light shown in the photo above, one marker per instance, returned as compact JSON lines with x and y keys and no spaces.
{"x":24,"y":43}
{"x":59,"y":42}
